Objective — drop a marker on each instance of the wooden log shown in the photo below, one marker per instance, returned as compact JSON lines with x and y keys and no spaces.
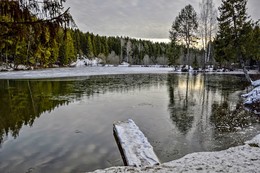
{"x":133,"y":145}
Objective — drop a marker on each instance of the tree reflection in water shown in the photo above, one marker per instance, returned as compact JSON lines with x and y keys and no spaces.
{"x":173,"y":110}
{"x":227,"y":119}
{"x":22,"y":101}
{"x":195,"y":102}
{"x":179,"y":103}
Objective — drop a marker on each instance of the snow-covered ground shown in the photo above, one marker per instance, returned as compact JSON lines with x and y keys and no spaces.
{"x":244,"y":158}
{"x":253,"y":96}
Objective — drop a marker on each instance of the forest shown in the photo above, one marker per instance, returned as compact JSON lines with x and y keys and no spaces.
{"x":42,"y":35}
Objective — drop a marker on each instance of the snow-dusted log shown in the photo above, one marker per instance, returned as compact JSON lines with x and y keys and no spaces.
{"x":134,"y":146}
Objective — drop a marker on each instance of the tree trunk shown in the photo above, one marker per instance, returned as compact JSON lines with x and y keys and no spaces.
{"x":244,"y":69}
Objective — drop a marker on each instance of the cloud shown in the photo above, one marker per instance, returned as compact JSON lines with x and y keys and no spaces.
{"x":133,"y":18}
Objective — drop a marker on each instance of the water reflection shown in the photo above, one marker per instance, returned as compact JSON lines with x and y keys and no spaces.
{"x":65,"y":125}
{"x":205,"y":106}
{"x":179,"y":102}
{"x":21,"y":102}
{"x":228,"y":119}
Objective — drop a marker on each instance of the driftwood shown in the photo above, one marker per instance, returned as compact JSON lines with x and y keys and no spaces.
{"x":134,"y":147}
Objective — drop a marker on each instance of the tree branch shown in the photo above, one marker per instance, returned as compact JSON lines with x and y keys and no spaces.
{"x":37,"y":21}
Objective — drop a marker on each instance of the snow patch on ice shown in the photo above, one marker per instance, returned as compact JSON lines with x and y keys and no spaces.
{"x":80,"y":72}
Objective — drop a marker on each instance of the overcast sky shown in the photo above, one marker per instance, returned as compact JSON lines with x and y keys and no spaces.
{"x":135,"y":18}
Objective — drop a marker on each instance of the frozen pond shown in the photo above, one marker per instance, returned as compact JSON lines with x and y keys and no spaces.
{"x":80,"y":72}
{"x":65,"y":125}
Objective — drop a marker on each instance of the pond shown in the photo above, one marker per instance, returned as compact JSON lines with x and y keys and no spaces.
{"x":65,"y":125}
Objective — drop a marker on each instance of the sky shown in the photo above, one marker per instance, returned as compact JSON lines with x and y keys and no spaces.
{"x":146,"y":19}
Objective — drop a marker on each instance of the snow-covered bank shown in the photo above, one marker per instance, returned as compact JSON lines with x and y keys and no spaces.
{"x":252,"y":99}
{"x":244,"y":158}
{"x":253,"y":96}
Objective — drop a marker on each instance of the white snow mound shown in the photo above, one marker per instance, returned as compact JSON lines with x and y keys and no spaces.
{"x":245,"y":158}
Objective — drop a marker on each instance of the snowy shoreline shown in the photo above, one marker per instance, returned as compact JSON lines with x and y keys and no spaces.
{"x":245,"y":158}
{"x":93,"y":71}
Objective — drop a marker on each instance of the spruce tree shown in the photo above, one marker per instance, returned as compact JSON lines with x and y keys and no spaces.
{"x":89,"y":47}
{"x":28,"y":24}
{"x":184,"y":28}
{"x":233,"y":29}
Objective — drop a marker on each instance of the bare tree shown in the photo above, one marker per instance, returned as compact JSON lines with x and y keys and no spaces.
{"x":208,"y":26}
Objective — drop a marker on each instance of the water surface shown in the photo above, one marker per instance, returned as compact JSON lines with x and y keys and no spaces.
{"x":65,"y":125}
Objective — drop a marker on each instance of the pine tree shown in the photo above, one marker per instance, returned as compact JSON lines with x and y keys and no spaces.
{"x":233,"y":29}
{"x":90,"y":52}
{"x":184,"y":28}
{"x":256,"y":44}
{"x":33,"y":25}
{"x":173,"y":53}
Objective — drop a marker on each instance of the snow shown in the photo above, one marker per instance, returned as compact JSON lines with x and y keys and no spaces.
{"x":253,"y":96}
{"x":245,"y":158}
{"x":252,"y":99}
{"x":254,"y":142}
{"x":79,"y":72}
{"x":135,"y":146}
{"x":124,"y":64}
{"x":256,"y":83}
{"x":83,"y":61}
{"x":93,"y":68}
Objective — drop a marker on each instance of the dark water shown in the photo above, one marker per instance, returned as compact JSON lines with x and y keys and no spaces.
{"x":65,"y":125}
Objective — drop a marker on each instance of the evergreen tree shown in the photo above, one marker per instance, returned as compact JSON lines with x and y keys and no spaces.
{"x":67,"y":50}
{"x":173,"y":53}
{"x":90,"y":47}
{"x":184,"y":28}
{"x":256,"y":43}
{"x":30,"y":28}
{"x":234,"y":26}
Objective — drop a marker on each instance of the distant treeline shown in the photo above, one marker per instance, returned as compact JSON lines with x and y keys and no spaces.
{"x":41,"y":34}
{"x":47,"y":49}
{"x":115,"y":50}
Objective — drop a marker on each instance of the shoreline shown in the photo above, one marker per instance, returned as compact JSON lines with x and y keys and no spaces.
{"x":70,"y":72}
{"x":245,"y":158}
